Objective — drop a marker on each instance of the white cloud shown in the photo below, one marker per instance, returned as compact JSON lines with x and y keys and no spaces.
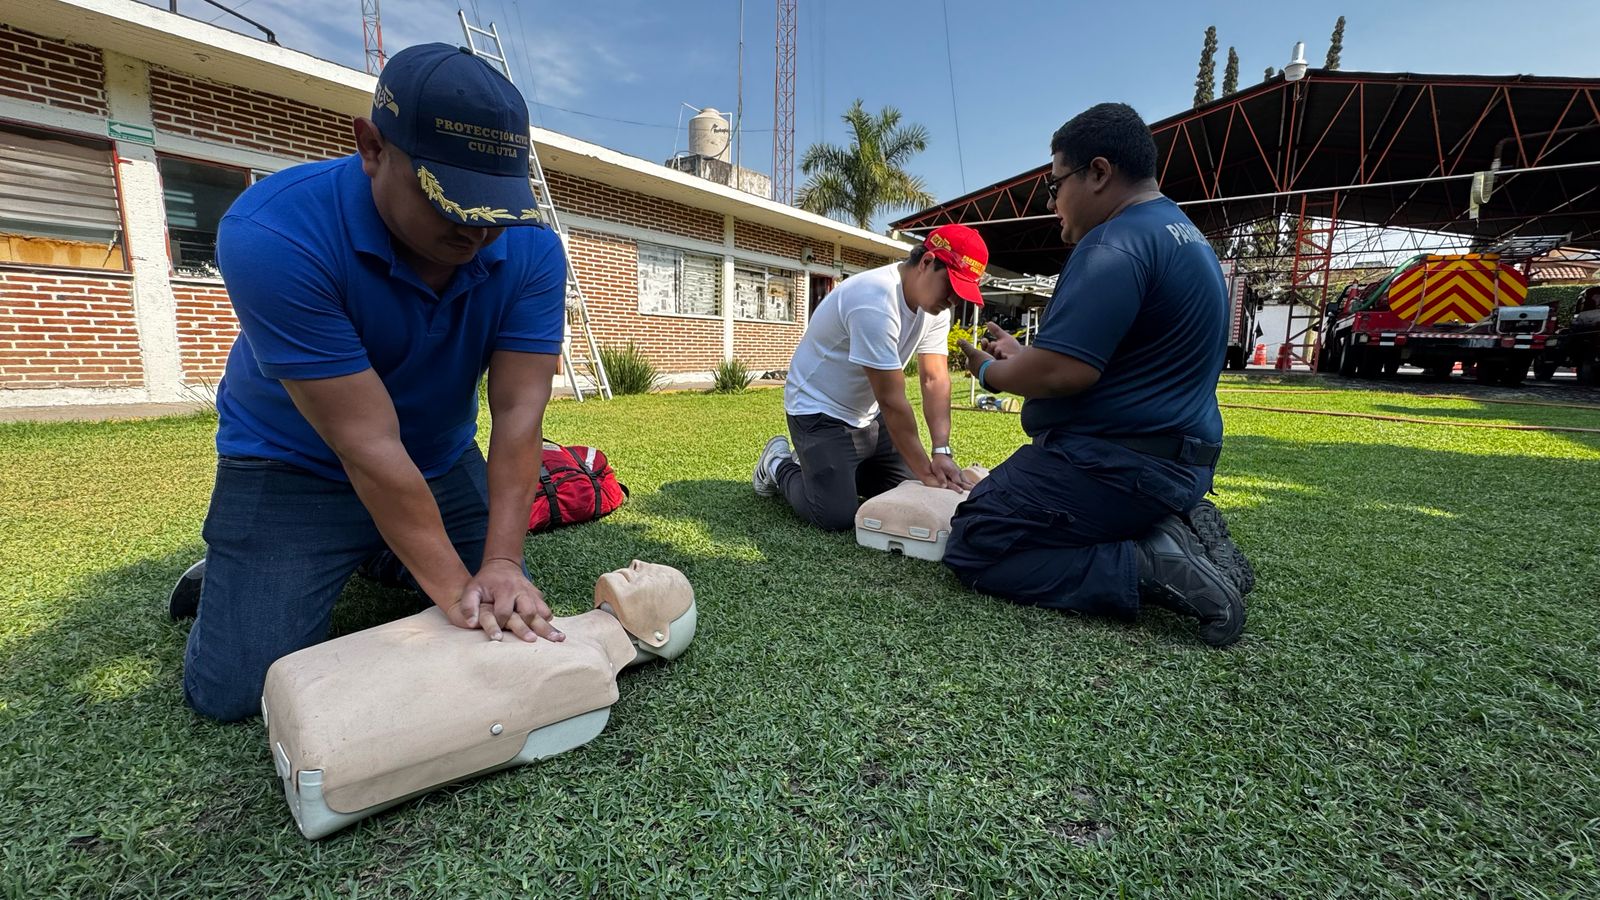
{"x":563,"y":61}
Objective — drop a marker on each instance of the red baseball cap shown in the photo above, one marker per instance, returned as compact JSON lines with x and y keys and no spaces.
{"x":964,"y":255}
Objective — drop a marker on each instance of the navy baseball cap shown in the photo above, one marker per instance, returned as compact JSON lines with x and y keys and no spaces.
{"x":465,"y":127}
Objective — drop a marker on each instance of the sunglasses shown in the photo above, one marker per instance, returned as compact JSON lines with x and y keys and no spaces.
{"x":1051,"y":182}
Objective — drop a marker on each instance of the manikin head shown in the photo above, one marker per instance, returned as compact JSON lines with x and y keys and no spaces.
{"x":641,"y":577}
{"x":1099,"y":160}
{"x":654,"y":603}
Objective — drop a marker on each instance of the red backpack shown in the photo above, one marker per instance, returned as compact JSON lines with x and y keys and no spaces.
{"x":576,"y":484}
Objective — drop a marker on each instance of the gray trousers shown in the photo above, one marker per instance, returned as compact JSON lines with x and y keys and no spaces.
{"x":838,"y":466}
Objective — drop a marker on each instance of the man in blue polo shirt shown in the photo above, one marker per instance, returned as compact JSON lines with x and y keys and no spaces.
{"x":373,"y":292}
{"x":1106,"y":507}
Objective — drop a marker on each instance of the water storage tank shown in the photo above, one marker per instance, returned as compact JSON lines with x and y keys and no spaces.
{"x":709,"y":135}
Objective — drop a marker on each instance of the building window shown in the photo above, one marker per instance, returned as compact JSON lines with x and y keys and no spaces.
{"x":676,"y":282}
{"x":58,"y":201}
{"x":197,"y":195}
{"x":761,"y":293}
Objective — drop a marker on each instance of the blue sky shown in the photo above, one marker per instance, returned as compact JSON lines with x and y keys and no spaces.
{"x":1020,"y":67}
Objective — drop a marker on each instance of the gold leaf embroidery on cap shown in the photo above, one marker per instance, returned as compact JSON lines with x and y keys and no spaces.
{"x":435,"y":192}
{"x":530,"y":214}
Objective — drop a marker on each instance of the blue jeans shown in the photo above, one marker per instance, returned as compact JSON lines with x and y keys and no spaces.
{"x":1055,"y":524}
{"x":280,"y":545}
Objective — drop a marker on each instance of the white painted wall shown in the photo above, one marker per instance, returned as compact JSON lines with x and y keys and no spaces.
{"x":143,"y":212}
{"x":1273,"y":321}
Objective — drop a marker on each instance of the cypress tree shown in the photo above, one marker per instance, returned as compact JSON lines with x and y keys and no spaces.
{"x":1335,"y":45}
{"x":1205,"y":83}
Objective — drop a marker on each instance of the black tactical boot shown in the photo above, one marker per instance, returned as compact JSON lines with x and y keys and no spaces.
{"x":1176,"y":574}
{"x":1208,"y":524}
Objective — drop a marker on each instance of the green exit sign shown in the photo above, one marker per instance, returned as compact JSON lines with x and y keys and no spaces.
{"x":136,"y":134}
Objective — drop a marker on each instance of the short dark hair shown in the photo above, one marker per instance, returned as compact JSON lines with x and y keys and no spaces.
{"x":1111,"y":130}
{"x":920,"y":251}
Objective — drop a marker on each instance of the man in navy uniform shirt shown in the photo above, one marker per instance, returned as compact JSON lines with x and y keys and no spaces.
{"x":373,"y":292}
{"x":1106,"y":506}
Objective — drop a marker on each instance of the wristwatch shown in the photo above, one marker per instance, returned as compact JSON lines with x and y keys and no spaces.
{"x":944,"y":450}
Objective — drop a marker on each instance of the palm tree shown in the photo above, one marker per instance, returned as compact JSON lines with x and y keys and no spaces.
{"x":868,"y":177}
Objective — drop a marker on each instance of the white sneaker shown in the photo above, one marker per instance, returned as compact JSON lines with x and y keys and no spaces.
{"x":765,"y":478}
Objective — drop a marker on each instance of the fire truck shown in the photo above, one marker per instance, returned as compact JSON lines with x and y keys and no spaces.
{"x":1242,"y":309}
{"x":1433,"y":311}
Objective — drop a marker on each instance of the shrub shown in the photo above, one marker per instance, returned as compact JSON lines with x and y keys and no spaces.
{"x":1561,"y":298}
{"x":958,"y":360}
{"x":732,"y":378}
{"x":629,"y":370}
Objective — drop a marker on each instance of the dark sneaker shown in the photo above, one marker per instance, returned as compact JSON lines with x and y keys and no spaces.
{"x":1208,"y":524}
{"x":765,"y":477}
{"x":1176,"y":574}
{"x":184,"y":602}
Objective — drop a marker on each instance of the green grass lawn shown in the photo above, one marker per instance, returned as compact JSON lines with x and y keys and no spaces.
{"x":1412,"y":709}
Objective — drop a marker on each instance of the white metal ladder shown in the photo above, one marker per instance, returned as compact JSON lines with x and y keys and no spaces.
{"x":579,"y":349}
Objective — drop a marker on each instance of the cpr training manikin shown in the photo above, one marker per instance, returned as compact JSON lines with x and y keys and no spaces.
{"x":366,"y":721}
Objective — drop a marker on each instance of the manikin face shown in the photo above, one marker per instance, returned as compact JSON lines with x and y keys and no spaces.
{"x":640,"y":578}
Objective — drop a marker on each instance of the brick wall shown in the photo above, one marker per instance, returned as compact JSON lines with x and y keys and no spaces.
{"x":52,"y":72}
{"x":762,"y":346}
{"x":770,"y":345}
{"x":859,"y":259}
{"x":266,"y":123}
{"x":206,"y":329}
{"x":608,"y":268}
{"x":599,"y":201}
{"x":765,"y":239}
{"x":60,"y":330}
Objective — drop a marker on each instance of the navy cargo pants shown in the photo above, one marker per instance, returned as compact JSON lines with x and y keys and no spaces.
{"x":1055,"y":524}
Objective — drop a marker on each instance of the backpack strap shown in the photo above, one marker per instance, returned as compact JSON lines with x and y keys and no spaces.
{"x":578,"y":459}
{"x":547,"y":486}
{"x":585,"y":466}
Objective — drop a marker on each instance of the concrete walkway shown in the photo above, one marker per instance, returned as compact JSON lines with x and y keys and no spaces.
{"x":96,"y":412}
{"x":675,"y":387}
{"x":111,"y":411}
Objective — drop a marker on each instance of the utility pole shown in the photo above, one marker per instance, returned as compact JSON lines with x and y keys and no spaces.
{"x":738,"y":109}
{"x":372,"y":36}
{"x":783,"y":106}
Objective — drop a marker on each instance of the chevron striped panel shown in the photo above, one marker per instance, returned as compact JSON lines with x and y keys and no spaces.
{"x":1462,"y":289}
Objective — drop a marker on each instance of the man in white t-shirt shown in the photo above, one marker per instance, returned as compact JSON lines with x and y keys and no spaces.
{"x":855,"y":434}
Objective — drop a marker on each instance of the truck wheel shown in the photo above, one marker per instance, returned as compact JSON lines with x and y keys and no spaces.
{"x":1588,"y":372}
{"x":1391,"y":363}
{"x":1349,"y":358}
{"x":1328,"y":360}
{"x":1544,"y":370}
{"x":1371,"y":364}
{"x":1236,"y":359}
